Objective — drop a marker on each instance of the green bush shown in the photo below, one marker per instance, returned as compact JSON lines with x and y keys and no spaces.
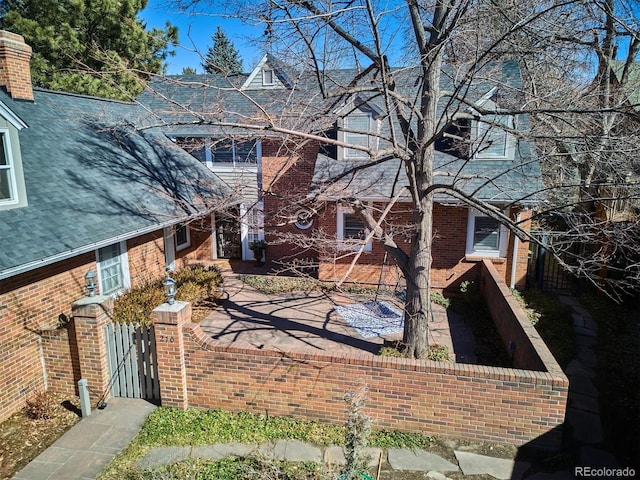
{"x":437,"y":353}
{"x":194,"y":284}
{"x":439,"y":299}
{"x":271,"y":284}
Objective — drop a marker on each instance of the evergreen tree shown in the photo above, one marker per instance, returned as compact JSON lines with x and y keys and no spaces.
{"x":222,"y":56}
{"x":189,"y":71}
{"x":92,"y":47}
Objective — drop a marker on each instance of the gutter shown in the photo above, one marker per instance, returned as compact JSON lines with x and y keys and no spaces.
{"x":43,"y":262}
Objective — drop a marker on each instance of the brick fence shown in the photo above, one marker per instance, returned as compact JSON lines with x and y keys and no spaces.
{"x":517,"y":406}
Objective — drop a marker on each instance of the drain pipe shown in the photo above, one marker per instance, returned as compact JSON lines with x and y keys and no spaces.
{"x":514,"y":259}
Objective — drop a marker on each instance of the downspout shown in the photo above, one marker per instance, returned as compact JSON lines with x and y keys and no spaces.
{"x":514,"y":259}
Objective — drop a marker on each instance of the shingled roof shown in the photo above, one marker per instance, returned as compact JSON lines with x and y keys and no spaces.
{"x":93,"y":178}
{"x":196,"y":104}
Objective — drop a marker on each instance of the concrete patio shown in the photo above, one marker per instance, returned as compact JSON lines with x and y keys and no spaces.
{"x":307,"y":321}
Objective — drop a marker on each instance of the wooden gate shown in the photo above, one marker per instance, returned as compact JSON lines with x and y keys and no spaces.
{"x":133,"y":367}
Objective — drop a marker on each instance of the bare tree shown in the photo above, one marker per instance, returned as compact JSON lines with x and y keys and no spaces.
{"x":455,"y":70}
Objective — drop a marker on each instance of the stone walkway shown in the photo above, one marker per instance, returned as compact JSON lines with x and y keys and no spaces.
{"x":583,"y":411}
{"x":401,"y":459}
{"x":83,"y":451}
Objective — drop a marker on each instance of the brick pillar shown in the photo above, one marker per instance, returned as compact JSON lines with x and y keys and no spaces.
{"x":168,"y":321}
{"x":90,"y":315}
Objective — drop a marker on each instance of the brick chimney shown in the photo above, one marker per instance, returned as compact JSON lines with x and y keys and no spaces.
{"x":15,"y":75}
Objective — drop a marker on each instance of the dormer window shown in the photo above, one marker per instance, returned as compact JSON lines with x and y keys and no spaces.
{"x":357,"y":131}
{"x":8,"y":183}
{"x":267,"y":77}
{"x":493,"y":139}
{"x":455,"y":139}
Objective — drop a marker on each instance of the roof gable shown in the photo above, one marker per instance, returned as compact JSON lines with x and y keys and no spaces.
{"x":11,"y":117}
{"x":278,"y":79}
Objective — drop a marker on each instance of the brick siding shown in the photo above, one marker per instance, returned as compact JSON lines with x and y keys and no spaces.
{"x":286,"y":178}
{"x":34,"y":303}
{"x":201,"y":248}
{"x":31,"y":305}
{"x":450,"y":265}
{"x":515,"y":406}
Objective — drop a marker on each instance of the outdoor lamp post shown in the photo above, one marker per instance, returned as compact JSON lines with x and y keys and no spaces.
{"x":170,"y":290}
{"x":90,"y":282}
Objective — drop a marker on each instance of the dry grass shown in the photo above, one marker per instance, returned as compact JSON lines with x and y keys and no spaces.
{"x":22,"y":438}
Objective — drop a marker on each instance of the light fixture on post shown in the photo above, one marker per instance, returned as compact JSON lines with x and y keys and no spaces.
{"x":170,"y":290}
{"x":90,"y":282}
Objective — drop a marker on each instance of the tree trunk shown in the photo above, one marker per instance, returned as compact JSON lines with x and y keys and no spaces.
{"x":418,"y":303}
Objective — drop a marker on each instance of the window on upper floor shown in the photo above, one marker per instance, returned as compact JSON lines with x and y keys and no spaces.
{"x":233,"y":151}
{"x":455,"y":139}
{"x":209,"y":150}
{"x":486,"y":237}
{"x":492,"y":137}
{"x":196,"y":146}
{"x":267,"y":77}
{"x":8,"y":183}
{"x":113,"y":269}
{"x":357,"y":129}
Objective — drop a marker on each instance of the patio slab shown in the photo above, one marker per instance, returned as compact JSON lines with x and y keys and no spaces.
{"x":307,"y":322}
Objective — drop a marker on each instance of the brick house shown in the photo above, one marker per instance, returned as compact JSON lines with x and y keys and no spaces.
{"x":132,"y":189}
{"x":281,"y":182}
{"x":81,"y":189}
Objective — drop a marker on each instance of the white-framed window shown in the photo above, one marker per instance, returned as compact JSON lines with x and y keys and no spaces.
{"x":486,"y":237}
{"x":351,"y":231}
{"x":212,"y":150}
{"x":493,"y":139}
{"x":113,"y":269}
{"x":267,"y":76}
{"x":8,"y":183}
{"x":183,"y":237}
{"x":357,"y":131}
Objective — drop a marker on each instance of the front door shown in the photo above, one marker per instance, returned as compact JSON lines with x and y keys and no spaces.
{"x":228,"y":238}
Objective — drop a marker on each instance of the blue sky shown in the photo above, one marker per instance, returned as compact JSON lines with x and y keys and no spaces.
{"x":195,"y":32}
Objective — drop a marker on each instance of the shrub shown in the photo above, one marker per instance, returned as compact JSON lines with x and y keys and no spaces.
{"x":208,"y":278}
{"x":439,"y":299}
{"x":437,"y":353}
{"x":136,"y":304}
{"x":270,"y":284}
{"x":190,"y":291}
{"x":40,"y":406}
{"x":194,"y":284}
